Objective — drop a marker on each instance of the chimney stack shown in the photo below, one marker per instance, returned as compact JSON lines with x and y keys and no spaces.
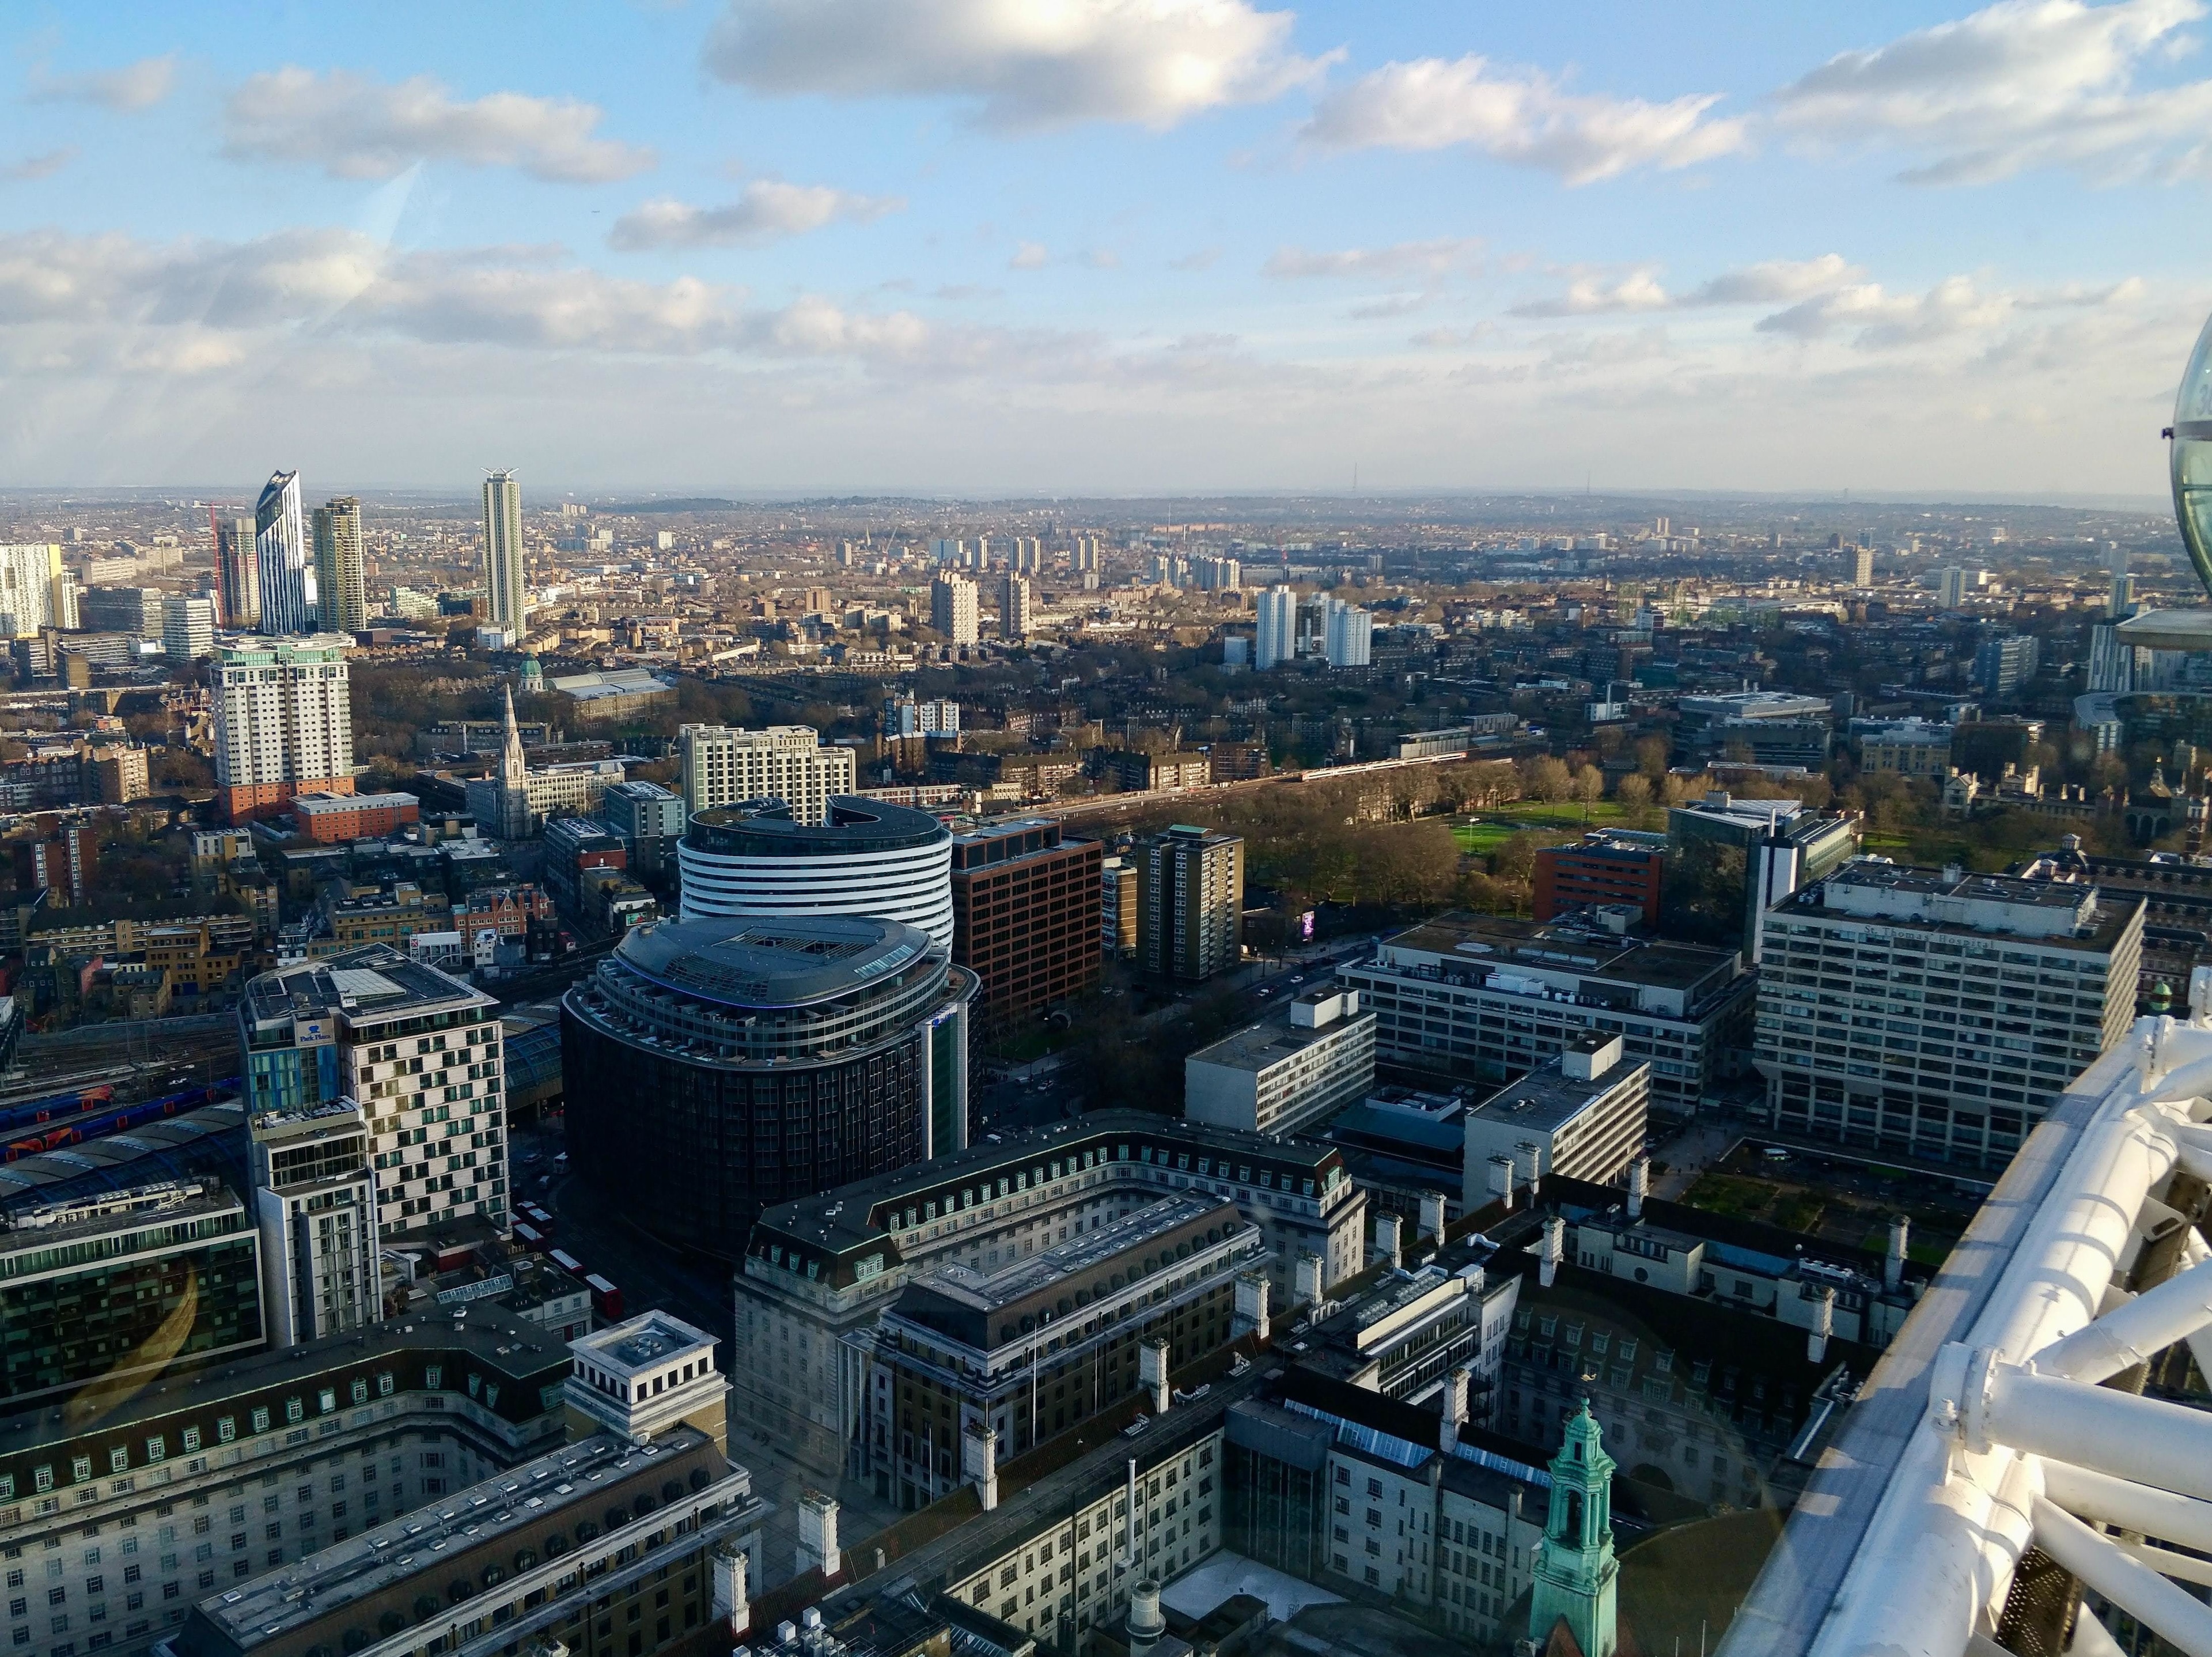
{"x":1501,"y":1179}
{"x":979,"y":1461}
{"x":1892,"y":1264}
{"x":1309,"y":1285}
{"x":1432,"y":1216}
{"x":1551,"y":1250}
{"x":1528,"y":1162}
{"x":1639,"y":1178}
{"x":1823,"y":1324}
{"x":1387,"y":1247}
{"x":1251,"y":1306}
{"x":1152,"y":1372}
{"x":732,"y":1605}
{"x":1455,"y":1406}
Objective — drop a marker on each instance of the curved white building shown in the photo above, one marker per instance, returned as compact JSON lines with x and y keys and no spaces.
{"x":868,"y":859}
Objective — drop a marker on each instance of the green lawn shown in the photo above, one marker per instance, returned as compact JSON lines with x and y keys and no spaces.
{"x":1482,"y":838}
{"x":1567,"y":814}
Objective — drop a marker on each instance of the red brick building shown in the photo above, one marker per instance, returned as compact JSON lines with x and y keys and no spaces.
{"x":334,"y":819}
{"x":1607,"y":867}
{"x":508,"y":911}
{"x":1026,"y":915}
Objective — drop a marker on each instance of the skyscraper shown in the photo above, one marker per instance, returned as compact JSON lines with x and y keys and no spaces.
{"x":1279,"y":628}
{"x":29,"y":576}
{"x":283,"y":725}
{"x":952,"y":608}
{"x":237,"y":571}
{"x":1014,"y":606}
{"x":1348,"y":641}
{"x":188,"y":628}
{"x":341,"y":581}
{"x":502,"y":553}
{"x":1951,"y":589}
{"x":284,"y":563}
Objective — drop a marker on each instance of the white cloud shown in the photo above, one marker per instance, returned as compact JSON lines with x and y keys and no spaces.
{"x":42,"y":166}
{"x":1202,"y":259}
{"x":1153,"y":63}
{"x":1440,"y":257}
{"x":1520,"y":116}
{"x":1030,"y":256}
{"x":1774,"y":282}
{"x":1877,"y":320}
{"x":356,"y":128}
{"x":766,"y":211}
{"x":2024,"y":84}
{"x":135,"y":85}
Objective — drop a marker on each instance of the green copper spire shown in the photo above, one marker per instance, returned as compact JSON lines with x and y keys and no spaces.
{"x":1576,"y":1570}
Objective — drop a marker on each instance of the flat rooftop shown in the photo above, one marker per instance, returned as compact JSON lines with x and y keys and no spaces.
{"x":161,"y":1202}
{"x":1500,"y":942}
{"x":373,"y":981}
{"x":773,"y":961}
{"x":1546,"y":1099}
{"x":1260,"y":1045}
{"x":362,"y":1567}
{"x":1008,"y":1284}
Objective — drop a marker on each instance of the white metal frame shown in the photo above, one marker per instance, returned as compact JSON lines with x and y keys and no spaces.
{"x":2016,"y":1443}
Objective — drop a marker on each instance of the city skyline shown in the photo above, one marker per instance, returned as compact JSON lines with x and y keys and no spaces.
{"x":1912,"y":249}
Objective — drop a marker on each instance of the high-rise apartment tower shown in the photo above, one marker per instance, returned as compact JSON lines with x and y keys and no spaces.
{"x":282,"y":558}
{"x":341,"y":578}
{"x":504,"y":584}
{"x":1190,"y":902}
{"x":237,"y":571}
{"x":283,"y":724}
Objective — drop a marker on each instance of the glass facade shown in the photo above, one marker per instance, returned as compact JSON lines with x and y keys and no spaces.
{"x":2192,"y":457}
{"x":132,"y":1298}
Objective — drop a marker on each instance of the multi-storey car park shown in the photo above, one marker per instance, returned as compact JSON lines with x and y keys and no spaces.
{"x":761,"y":858}
{"x":1493,"y":997}
{"x":713,"y":1067}
{"x":115,"y":1521}
{"x":419,"y":1051}
{"x":818,"y":1273}
{"x":1936,"y":1013}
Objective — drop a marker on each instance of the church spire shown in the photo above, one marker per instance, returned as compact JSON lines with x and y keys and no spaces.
{"x":513,"y":769}
{"x":1577,"y":1574}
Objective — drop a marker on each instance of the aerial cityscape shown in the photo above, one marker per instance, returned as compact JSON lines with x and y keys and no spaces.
{"x":957,"y":828}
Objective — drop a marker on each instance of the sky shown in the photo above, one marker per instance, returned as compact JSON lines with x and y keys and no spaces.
{"x":1040,"y":247}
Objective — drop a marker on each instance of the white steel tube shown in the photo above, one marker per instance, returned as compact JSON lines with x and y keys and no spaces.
{"x":2162,"y":1445}
{"x":2090,"y":1494}
{"x":2091,"y":1638}
{"x":2181,"y":1567}
{"x":2182,"y":1621}
{"x":2134,"y":1333}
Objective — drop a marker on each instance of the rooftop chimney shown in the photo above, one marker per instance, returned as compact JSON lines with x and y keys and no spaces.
{"x":1433,"y":1216}
{"x":1588,"y":1057}
{"x":1454,"y":1406}
{"x":1639,"y":1177}
{"x":1387,"y":1228}
{"x":1823,"y":1324}
{"x":1892,"y":1263}
{"x":1551,"y":1250}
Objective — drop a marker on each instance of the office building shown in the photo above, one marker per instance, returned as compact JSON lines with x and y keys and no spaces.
{"x":650,"y":819}
{"x":1708,"y":897}
{"x":1938,"y":1013}
{"x":314,"y":1204}
{"x":331,"y":1439}
{"x":1348,"y":641}
{"x":1190,"y":902}
{"x":1906,"y":748}
{"x":1767,"y":728}
{"x":952,"y":608}
{"x":341,"y":574}
{"x":188,"y":628}
{"x":713,"y":1067}
{"x":1582,"y":1114}
{"x":335,"y":818}
{"x":2004,"y":665}
{"x":283,"y":724}
{"x":592,"y":1548}
{"x":1014,"y":605}
{"x":506,"y":587}
{"x":723,"y":765}
{"x":1117,"y":908}
{"x":1026,"y":915}
{"x":237,"y":570}
{"x":868,"y":857}
{"x":105,"y":1292}
{"x":1951,"y":587}
{"x":1288,"y":1072}
{"x":137,"y":611}
{"x":963,"y":1347}
{"x":1277,"y":640}
{"x":1494,"y":997}
{"x":418,"y":1050}
{"x":1611,"y":868}
{"x":283,"y":561}
{"x":820,"y":1271}
{"x":29,"y":576}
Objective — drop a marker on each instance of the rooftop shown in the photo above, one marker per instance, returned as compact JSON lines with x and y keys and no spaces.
{"x":372,"y":982}
{"x":165,"y":1202}
{"x":1473,"y":942}
{"x":1009,"y":1284}
{"x":758,"y":961}
{"x":1546,"y":1099}
{"x":766,"y":828}
{"x":1260,"y":1045}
